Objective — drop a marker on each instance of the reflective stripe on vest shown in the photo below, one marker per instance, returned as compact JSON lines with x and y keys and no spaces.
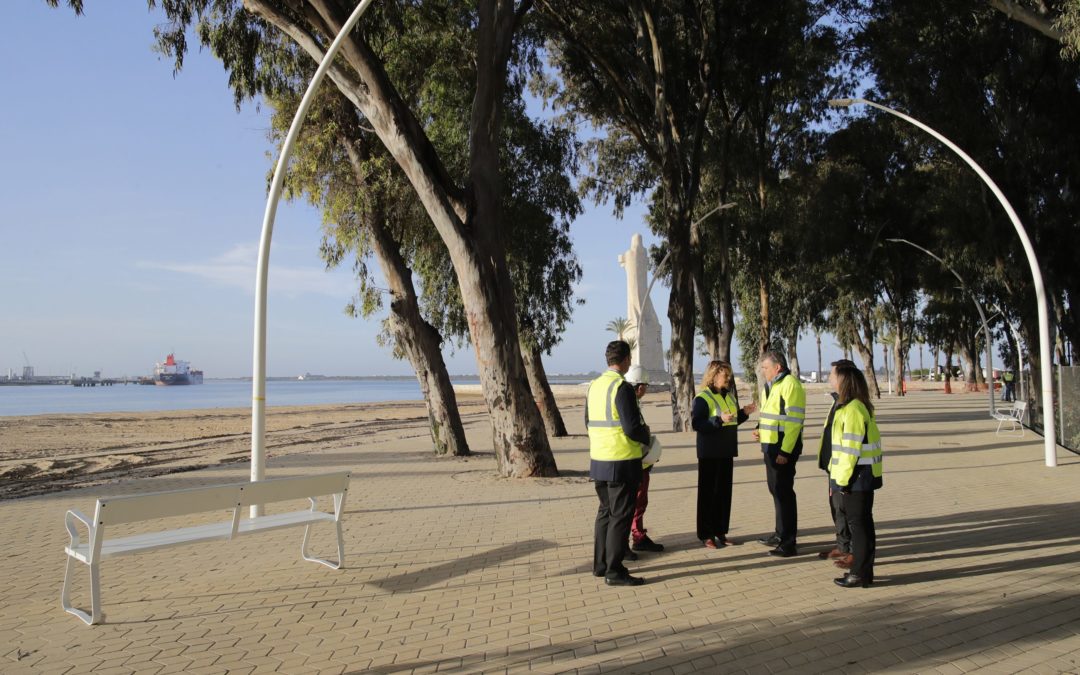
{"x":607,"y":441}
{"x":716,"y":406}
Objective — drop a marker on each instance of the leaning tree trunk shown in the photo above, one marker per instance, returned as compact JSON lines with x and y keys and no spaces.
{"x":418,"y":339}
{"x":469,"y":219}
{"x":545,"y":400}
{"x":422,"y":345}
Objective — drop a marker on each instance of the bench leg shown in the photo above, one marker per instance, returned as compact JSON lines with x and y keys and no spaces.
{"x":95,"y":616}
{"x":340,"y":547}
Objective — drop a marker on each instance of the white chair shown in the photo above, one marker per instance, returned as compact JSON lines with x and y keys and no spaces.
{"x":1014,"y":416}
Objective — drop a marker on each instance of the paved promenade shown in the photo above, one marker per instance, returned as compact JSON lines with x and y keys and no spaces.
{"x":451,"y":570}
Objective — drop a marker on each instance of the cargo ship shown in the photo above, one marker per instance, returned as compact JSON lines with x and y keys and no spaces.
{"x":173,"y":372}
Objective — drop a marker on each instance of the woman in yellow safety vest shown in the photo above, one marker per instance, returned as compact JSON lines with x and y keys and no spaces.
{"x":855,"y":470}
{"x":715,"y":417}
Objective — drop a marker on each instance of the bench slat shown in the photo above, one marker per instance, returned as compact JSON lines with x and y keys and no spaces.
{"x":303,"y":487}
{"x":133,"y":508}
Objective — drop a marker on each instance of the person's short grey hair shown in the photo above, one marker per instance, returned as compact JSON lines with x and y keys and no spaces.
{"x":774,"y":355}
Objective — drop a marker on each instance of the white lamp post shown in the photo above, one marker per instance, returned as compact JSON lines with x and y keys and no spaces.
{"x":258,"y":376}
{"x":1046,"y":365}
{"x":978,"y":306}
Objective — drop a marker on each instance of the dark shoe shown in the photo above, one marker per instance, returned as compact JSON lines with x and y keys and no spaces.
{"x":853,"y":581}
{"x":782,"y":552}
{"x":844,"y":562}
{"x":624,"y":580}
{"x":630,"y":555}
{"x":647,"y":544}
{"x":599,"y":573}
{"x":772,"y":540}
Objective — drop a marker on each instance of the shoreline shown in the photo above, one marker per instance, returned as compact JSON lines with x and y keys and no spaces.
{"x":47,"y":453}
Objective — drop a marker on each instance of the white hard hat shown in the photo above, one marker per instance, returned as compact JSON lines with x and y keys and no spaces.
{"x":653,"y":455}
{"x":637,"y":375}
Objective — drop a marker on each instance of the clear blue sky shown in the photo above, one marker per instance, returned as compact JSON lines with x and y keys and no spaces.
{"x":132,"y":203}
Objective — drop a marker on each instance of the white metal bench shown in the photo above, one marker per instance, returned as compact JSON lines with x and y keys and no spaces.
{"x":233,"y":498}
{"x":1014,"y":416}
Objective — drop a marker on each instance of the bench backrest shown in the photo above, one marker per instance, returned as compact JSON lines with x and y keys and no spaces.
{"x":133,"y":508}
{"x":1018,"y":411}
{"x":284,"y":489}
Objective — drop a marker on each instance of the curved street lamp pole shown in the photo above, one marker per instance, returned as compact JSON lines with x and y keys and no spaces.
{"x":1046,"y":364}
{"x":978,"y":306}
{"x":258,"y":376}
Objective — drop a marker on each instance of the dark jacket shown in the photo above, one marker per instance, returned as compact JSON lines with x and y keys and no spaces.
{"x":714,"y":440}
{"x":824,"y":458}
{"x":633,"y":425}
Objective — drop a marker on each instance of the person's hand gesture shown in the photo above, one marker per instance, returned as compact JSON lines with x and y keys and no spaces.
{"x":750,"y":408}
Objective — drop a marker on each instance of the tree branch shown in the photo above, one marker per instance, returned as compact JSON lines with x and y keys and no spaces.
{"x":1028,"y":18}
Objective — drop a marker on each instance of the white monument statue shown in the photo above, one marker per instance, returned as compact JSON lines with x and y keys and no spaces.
{"x":649,"y":350}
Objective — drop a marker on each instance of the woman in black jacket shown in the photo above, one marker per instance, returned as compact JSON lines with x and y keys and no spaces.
{"x":716,"y":417}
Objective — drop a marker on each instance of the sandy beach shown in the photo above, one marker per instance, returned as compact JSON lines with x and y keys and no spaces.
{"x":47,"y":453}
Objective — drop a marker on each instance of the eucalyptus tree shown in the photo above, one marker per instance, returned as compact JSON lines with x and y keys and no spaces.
{"x":1005,"y":94}
{"x":466,"y":206}
{"x":782,"y":66}
{"x":369,"y":211}
{"x":643,"y":73}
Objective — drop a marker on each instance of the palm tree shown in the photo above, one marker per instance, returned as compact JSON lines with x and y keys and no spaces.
{"x":620,"y":327}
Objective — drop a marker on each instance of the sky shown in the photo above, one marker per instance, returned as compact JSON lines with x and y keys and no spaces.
{"x":132,"y":203}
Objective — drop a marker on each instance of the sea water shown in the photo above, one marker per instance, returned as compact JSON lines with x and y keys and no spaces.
{"x":61,"y":399}
{"x":58,"y":398}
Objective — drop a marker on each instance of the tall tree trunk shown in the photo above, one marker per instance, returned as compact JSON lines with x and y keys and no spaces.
{"x":727,"y":328}
{"x":681,"y":315}
{"x":898,"y":358}
{"x":817,"y":336}
{"x":864,"y":343}
{"x":948,"y":369}
{"x":793,"y":354}
{"x":545,"y":400}
{"x":968,"y":358}
{"x":469,"y":220}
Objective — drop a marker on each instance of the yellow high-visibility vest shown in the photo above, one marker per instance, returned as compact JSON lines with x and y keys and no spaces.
{"x":789,"y":420}
{"x":721,"y":404}
{"x":855,"y":440}
{"x":607,"y":441}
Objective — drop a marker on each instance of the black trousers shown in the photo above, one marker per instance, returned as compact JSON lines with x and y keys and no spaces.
{"x":781,"y":480}
{"x":858,"y":511}
{"x":714,"y":497}
{"x":612,"y":533}
{"x":843,"y":532}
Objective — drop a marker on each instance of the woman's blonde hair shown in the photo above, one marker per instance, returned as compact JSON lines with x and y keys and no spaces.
{"x":711,"y":371}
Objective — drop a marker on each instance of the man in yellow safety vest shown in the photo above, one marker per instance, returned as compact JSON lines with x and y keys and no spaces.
{"x":782,"y":414}
{"x":617,"y":434}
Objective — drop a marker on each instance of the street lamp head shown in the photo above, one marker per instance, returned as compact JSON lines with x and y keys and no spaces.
{"x":841,"y":102}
